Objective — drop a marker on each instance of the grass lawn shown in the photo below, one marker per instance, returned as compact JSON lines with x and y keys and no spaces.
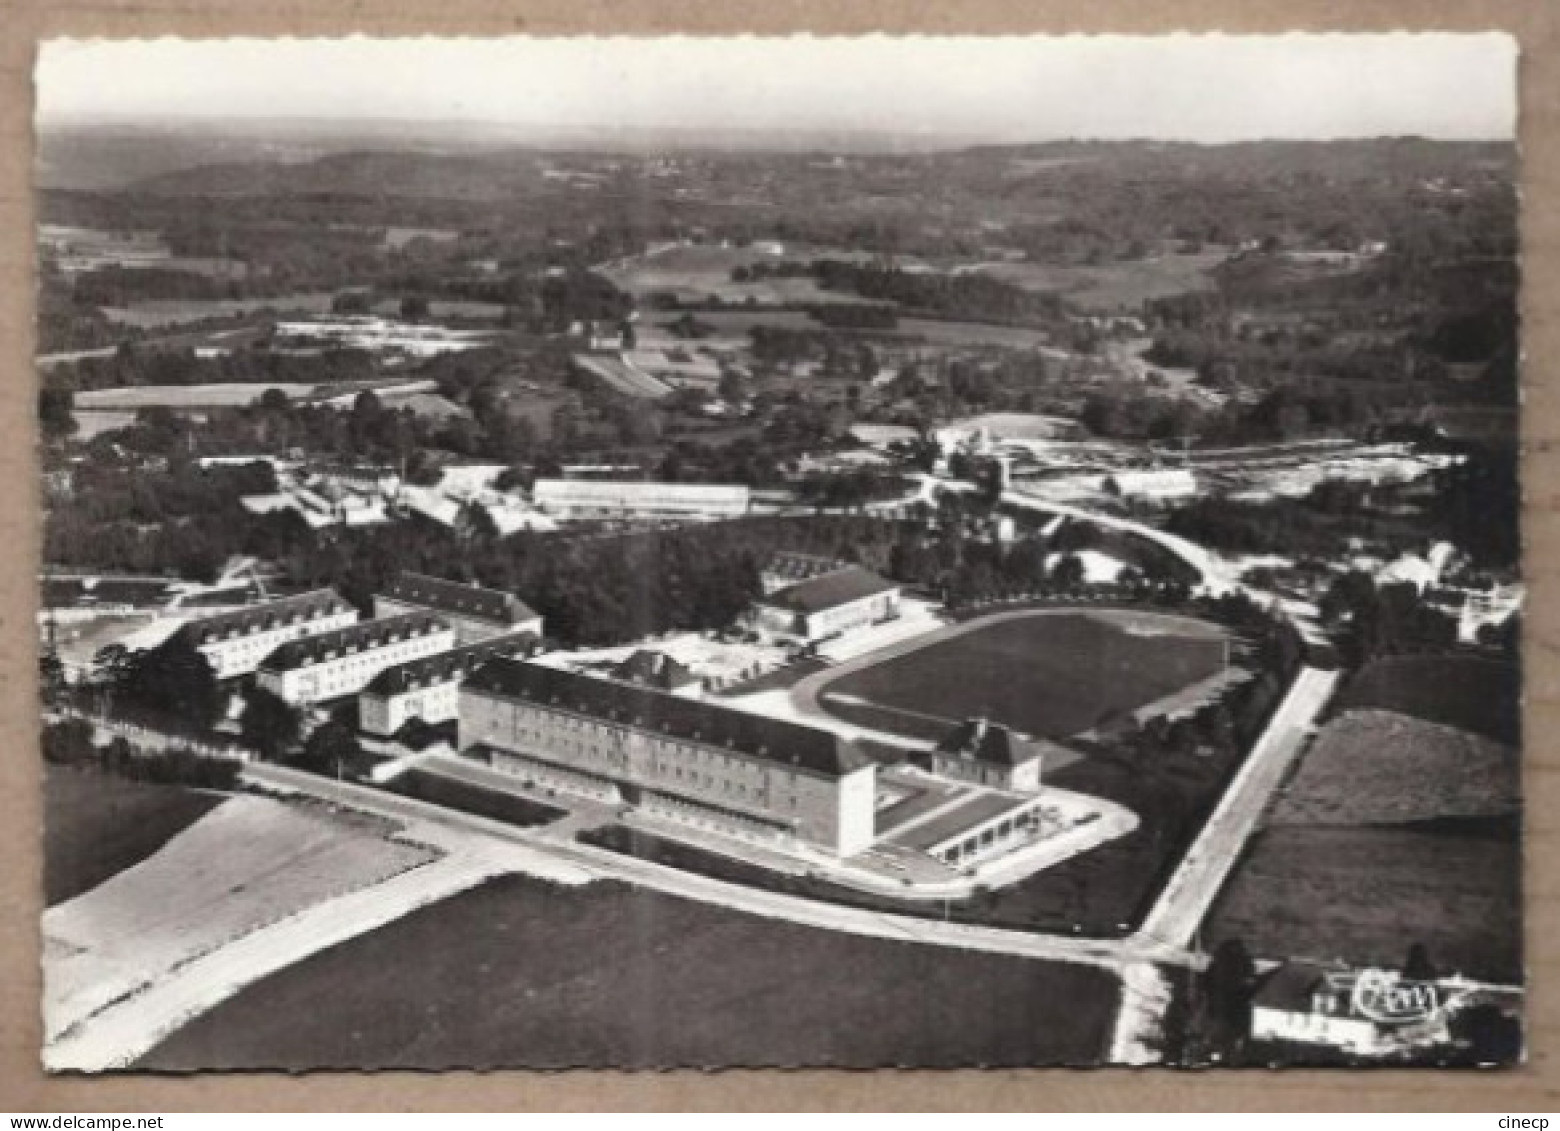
{"x":1468,"y":692}
{"x":519,"y":973}
{"x":1050,"y":674}
{"x":97,"y":825}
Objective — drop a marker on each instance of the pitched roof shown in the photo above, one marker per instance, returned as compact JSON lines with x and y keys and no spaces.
{"x":455,"y":599}
{"x":795,"y":567}
{"x":258,"y":618}
{"x":989,"y":742}
{"x":367,"y":635}
{"x":811,"y":749}
{"x":446,"y":666}
{"x":1292,"y":987}
{"x":830,"y":590}
{"x":654,"y":669}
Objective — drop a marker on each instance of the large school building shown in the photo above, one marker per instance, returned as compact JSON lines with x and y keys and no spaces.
{"x":686,"y":760}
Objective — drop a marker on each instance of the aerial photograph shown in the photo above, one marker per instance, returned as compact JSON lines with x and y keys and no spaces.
{"x":700,"y":553}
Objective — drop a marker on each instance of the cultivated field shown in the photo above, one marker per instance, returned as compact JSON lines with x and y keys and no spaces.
{"x":1113,"y":286}
{"x":732,"y":327}
{"x":1377,"y":767}
{"x":522,"y":973}
{"x":95,"y":826}
{"x":1365,"y":895}
{"x":226,"y":395}
{"x":156,"y":313}
{"x":248,"y":863}
{"x":1392,"y":831}
{"x":1467,"y":692}
{"x":696,"y":273}
{"x":1049,"y":674}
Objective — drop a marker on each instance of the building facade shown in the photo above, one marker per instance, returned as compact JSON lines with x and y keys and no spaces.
{"x":475,"y":613}
{"x":827,"y":606}
{"x":597,"y":498}
{"x":429,"y":689}
{"x":989,"y":754}
{"x":685,"y":760}
{"x":235,"y":643}
{"x":335,"y":664}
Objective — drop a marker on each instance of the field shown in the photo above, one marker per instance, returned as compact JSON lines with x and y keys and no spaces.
{"x":95,"y":826}
{"x":1365,"y":895}
{"x":180,"y":396}
{"x":1392,"y":831}
{"x":248,"y":863}
{"x":519,"y":973}
{"x":735,"y":324}
{"x":1416,"y":771}
{"x":1114,"y":286}
{"x":1466,"y":692}
{"x":1049,"y":674}
{"x":697,"y":273}
{"x":154,"y":314}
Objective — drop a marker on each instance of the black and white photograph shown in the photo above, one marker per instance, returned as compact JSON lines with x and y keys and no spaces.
{"x":742,"y":552}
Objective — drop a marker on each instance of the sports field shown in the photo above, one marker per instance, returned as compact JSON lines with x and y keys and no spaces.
{"x":521,"y":973}
{"x":95,"y":826}
{"x":1045,"y":673}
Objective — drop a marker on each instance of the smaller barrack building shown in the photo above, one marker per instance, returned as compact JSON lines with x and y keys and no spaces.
{"x":335,"y":664}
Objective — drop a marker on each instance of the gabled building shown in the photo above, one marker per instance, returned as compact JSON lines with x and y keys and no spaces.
{"x":690,"y":761}
{"x":429,"y":688}
{"x":473,"y":612}
{"x":236,"y":642}
{"x":990,"y":754}
{"x":827,"y":606}
{"x":335,"y":664}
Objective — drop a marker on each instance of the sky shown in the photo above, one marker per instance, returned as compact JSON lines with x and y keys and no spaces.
{"x":1185,"y":87}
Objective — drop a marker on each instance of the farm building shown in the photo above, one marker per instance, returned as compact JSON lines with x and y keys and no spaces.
{"x":685,"y":760}
{"x":475,"y":613}
{"x":827,"y":605}
{"x":429,"y":688}
{"x":236,"y":643}
{"x":343,"y":662}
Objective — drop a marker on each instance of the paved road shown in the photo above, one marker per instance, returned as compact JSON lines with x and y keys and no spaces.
{"x":1107,"y":953}
{"x":1218,"y":576}
{"x":1207,"y":864}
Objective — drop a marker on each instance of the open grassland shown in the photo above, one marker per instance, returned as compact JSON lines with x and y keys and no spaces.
{"x":1365,"y":895}
{"x":519,"y":973}
{"x":696,"y":273}
{"x":1378,"y":767}
{"x":248,"y":863}
{"x":1467,"y":692}
{"x":96,"y":825}
{"x":1048,"y":674}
